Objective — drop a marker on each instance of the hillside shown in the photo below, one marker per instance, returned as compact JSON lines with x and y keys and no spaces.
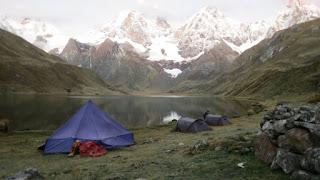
{"x":284,"y":65}
{"x":26,"y":69}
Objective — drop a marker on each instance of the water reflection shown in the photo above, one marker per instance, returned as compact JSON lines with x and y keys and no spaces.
{"x":49,"y":112}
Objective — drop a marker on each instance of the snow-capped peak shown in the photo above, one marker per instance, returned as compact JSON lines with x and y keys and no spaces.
{"x":42,"y":34}
{"x":298,"y":3}
{"x":209,"y":18}
{"x":151,"y":37}
{"x":205,"y":29}
{"x":162,"y":23}
{"x":157,"y":40}
{"x":297,"y":11}
{"x":129,"y":19}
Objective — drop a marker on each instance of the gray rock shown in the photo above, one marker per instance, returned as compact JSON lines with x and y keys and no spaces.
{"x":280,"y":127}
{"x":290,"y":124}
{"x":199,"y":146}
{"x":307,"y":116}
{"x":311,"y":160}
{"x":287,"y":115}
{"x":281,"y":109}
{"x":148,"y":141}
{"x":218,"y":148}
{"x":268,"y":129}
{"x":275,"y":166}
{"x":317,"y":115}
{"x":296,"y":117}
{"x":29,"y":173}
{"x":275,"y":128}
{"x":306,"y":108}
{"x":267,"y":117}
{"x":288,"y":161}
{"x":315,"y":29}
{"x":313,"y":128}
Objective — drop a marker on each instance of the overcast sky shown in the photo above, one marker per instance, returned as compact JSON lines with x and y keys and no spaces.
{"x":81,"y":15}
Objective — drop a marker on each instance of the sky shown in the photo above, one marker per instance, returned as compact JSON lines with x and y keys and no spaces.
{"x":79,"y":16}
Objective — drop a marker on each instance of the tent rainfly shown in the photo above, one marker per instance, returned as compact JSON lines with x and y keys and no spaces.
{"x":89,"y":124}
{"x":216,"y":120}
{"x":189,"y":125}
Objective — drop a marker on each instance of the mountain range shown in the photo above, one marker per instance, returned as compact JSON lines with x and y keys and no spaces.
{"x":286,"y":64}
{"x":135,"y":53}
{"x":157,"y":40}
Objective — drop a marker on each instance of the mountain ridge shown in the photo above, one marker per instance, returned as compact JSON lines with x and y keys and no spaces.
{"x":25,"y":68}
{"x":286,"y":64}
{"x":158,"y":40}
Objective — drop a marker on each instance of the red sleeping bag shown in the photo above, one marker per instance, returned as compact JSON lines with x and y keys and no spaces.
{"x":91,"y":149}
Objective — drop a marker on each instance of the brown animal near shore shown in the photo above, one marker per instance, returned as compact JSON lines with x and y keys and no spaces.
{"x":4,"y":125}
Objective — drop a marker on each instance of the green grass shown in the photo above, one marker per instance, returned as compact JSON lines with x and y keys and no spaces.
{"x":143,"y":160}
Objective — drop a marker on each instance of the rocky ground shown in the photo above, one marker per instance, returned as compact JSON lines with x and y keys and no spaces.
{"x":224,"y":153}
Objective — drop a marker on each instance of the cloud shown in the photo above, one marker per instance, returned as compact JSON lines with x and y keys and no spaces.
{"x":141,"y":2}
{"x":81,"y":16}
{"x":156,"y":6}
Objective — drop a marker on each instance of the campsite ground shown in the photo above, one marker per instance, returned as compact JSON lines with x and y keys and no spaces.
{"x":158,"y":154}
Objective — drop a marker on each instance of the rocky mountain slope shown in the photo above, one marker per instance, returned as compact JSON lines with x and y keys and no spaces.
{"x":215,"y":62}
{"x":27,"y":69}
{"x":286,"y":64}
{"x":118,"y":64}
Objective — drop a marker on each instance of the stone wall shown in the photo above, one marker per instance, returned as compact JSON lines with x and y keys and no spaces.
{"x":290,"y":140}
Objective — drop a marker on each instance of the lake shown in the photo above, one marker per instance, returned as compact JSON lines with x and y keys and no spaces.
{"x":44,"y":112}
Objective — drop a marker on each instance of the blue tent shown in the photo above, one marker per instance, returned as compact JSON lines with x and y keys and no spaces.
{"x":89,"y":124}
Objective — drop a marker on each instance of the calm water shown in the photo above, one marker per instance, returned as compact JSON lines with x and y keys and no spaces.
{"x":34,"y":112}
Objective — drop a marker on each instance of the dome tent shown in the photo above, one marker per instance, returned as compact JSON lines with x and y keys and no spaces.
{"x":89,"y":124}
{"x":189,"y":125}
{"x":216,"y":120}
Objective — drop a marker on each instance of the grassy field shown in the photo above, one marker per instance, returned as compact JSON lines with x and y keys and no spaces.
{"x":158,"y":154}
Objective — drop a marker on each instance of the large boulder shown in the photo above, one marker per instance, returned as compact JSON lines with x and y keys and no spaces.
{"x":313,"y":128}
{"x":317,"y":116}
{"x":264,"y":149}
{"x":296,"y":140}
{"x":311,"y":160}
{"x":287,"y":161}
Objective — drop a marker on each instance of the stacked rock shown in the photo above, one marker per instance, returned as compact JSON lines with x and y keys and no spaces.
{"x":290,"y":140}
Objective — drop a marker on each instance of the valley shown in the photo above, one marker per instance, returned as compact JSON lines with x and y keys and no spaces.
{"x":147,"y":72}
{"x":209,"y":54}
